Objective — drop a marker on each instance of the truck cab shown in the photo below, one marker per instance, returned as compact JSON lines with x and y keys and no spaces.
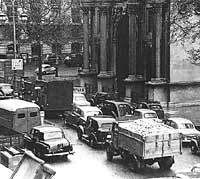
{"x":121,"y":111}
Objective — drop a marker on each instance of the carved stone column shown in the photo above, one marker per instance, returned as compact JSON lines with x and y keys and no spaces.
{"x":85,"y":38}
{"x":106,"y":78}
{"x":158,"y":36}
{"x":132,"y":10}
{"x":88,"y":78}
{"x":103,"y":40}
{"x":157,"y":88}
{"x":93,"y":38}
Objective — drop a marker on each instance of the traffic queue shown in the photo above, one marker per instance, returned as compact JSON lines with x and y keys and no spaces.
{"x":138,"y":132}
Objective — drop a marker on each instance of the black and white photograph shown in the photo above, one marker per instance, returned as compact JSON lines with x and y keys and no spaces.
{"x":99,"y":89}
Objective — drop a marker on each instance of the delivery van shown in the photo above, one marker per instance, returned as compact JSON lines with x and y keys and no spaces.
{"x":19,"y":115}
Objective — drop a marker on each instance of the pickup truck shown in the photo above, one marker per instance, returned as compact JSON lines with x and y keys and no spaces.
{"x":120,"y":110}
{"x":10,"y":137}
{"x":142,"y":142}
{"x":48,"y":141}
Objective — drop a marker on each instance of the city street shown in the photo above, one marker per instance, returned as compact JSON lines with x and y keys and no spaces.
{"x":92,"y":163}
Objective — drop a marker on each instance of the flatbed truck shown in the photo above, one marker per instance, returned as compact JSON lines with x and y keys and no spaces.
{"x":140,"y":142}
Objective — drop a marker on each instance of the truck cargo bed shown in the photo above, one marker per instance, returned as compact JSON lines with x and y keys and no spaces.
{"x":149,"y":140}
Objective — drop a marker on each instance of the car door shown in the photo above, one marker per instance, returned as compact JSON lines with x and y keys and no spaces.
{"x":88,"y":126}
{"x":76,"y":116}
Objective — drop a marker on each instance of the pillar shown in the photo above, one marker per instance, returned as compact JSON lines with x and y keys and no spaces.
{"x":158,"y":36}
{"x":157,"y":89}
{"x":88,"y":77}
{"x":103,"y":40}
{"x":93,"y":37}
{"x":85,"y":38}
{"x":106,"y":77}
{"x":134,"y":84}
{"x":132,"y":40}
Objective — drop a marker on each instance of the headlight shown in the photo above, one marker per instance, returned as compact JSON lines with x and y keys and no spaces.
{"x":48,"y":150}
{"x":109,"y":136}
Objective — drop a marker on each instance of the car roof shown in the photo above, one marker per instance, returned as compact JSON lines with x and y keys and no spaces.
{"x":103,"y":118}
{"x":89,"y":108}
{"x":180,"y":120}
{"x":78,"y":94}
{"x":47,"y":128}
{"x":117,"y":102}
{"x":5,"y":84}
{"x":145,"y":110}
{"x":44,"y":65}
{"x":14,"y":104}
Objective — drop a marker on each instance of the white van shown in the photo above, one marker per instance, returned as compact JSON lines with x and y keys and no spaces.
{"x":19,"y":115}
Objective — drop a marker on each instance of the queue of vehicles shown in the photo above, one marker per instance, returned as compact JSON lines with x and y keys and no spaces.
{"x":111,"y":124}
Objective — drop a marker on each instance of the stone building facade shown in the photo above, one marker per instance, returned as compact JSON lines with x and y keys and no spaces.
{"x":126,"y":48}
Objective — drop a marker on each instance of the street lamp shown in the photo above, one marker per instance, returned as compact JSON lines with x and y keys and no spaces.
{"x":14,"y":30}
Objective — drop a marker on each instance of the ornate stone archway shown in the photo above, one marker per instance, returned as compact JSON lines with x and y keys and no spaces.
{"x":126,"y":47}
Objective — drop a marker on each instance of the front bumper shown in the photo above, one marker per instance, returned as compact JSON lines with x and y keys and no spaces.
{"x":187,"y":139}
{"x":59,"y":154}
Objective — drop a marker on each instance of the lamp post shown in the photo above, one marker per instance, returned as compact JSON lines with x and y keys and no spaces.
{"x":14,"y":41}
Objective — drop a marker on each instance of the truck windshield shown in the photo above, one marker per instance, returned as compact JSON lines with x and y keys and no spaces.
{"x":106,"y":126}
{"x":150,"y":115}
{"x":186,"y":126}
{"x":93,"y":113}
{"x":124,"y":109}
{"x":52,"y":135}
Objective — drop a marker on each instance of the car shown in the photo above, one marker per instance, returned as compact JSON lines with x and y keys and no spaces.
{"x":153,"y":105}
{"x":48,"y":141}
{"x":79,"y":99}
{"x":97,"y":130}
{"x":184,"y":126}
{"x":6,"y":89}
{"x":74,"y":60}
{"x":120,"y":110}
{"x":46,"y":69}
{"x":193,"y":173}
{"x":79,"y":114}
{"x":145,"y":114}
{"x":100,"y":97}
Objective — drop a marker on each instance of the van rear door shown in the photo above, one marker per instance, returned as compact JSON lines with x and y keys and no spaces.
{"x":33,"y":118}
{"x":26,"y":118}
{"x":20,"y":120}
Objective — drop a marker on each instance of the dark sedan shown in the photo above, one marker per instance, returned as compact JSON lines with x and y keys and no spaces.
{"x":48,"y":141}
{"x":97,"y":130}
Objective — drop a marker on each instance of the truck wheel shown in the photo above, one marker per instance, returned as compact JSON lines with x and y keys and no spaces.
{"x":109,"y":153}
{"x":79,"y":133}
{"x":125,"y":156}
{"x":38,"y":154}
{"x":166,"y":163}
{"x":133,"y":163}
{"x":92,"y":142}
{"x":193,"y":148}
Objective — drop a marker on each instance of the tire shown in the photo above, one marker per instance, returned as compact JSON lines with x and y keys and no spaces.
{"x":133,"y":163}
{"x":166,"y":163}
{"x":125,"y":156}
{"x":38,"y":154}
{"x":109,"y":153}
{"x":79,"y":134}
{"x":92,"y":142}
{"x":193,"y":148}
